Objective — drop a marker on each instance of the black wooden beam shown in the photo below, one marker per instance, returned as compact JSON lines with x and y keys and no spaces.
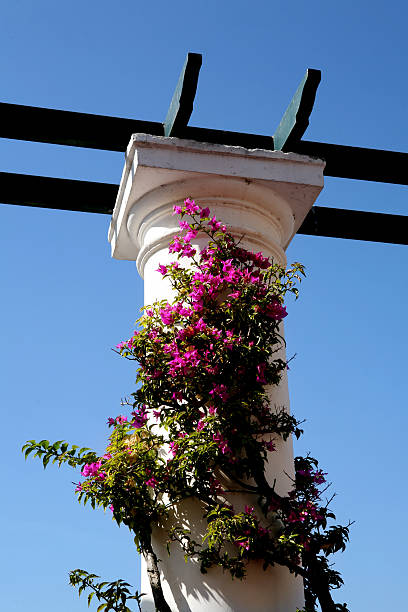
{"x":87,"y":196}
{"x":358,"y":163}
{"x":181,"y":105}
{"x":69,"y":128}
{"x":296,"y":118}
{"x":56,"y":193}
{"x":356,"y":225}
{"x":113,"y":134}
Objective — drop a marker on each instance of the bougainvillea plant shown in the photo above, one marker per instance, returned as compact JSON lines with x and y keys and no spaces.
{"x":201,"y":423}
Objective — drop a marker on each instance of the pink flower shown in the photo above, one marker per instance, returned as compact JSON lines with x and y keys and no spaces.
{"x":191,"y":206}
{"x":215,"y":486}
{"x":111,"y":421}
{"x":121,"y":419}
{"x":305,"y":473}
{"x":91,"y":469}
{"x":173,"y":448}
{"x":191,"y":234}
{"x":188,"y":251}
{"x":227,"y":265}
{"x":249,"y":510}
{"x":200,"y":425}
{"x":152,"y":482}
{"x":270,"y":446}
{"x":177,"y":210}
{"x":275,"y":310}
{"x":234,"y":295}
{"x":166,"y":315}
{"x":222,"y":443}
{"x":198,"y":306}
{"x":176,"y":245}
{"x":214,"y":224}
{"x":162,"y":269}
{"x":221,"y":391}
{"x":260,"y":377}
{"x":155,"y":374}
{"x":78,"y":487}
{"x":139,"y":417}
{"x":319,"y":477}
{"x":200,"y":325}
{"x":205,"y":212}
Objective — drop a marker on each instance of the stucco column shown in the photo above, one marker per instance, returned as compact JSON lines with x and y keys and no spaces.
{"x":263,"y":196}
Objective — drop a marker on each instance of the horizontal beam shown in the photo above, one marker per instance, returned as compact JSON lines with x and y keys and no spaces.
{"x":356,"y":225}
{"x":56,"y":193}
{"x":113,"y":134}
{"x":102,"y":132}
{"x":87,"y":196}
{"x":358,"y":163}
{"x":73,"y":129}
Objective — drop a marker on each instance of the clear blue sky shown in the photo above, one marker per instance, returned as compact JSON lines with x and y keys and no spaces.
{"x":65,"y":302}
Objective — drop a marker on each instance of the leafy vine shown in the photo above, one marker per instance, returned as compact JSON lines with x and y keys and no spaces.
{"x":201,"y":424}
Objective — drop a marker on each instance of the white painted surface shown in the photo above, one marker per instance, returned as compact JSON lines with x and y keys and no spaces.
{"x":264,"y":195}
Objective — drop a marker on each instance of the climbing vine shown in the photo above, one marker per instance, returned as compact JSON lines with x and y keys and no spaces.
{"x":201,"y":424}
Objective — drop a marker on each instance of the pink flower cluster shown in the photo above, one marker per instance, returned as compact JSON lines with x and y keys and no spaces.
{"x":91,"y":470}
{"x":120,"y":420}
{"x":220,"y":391}
{"x":152,"y":482}
{"x":139,"y":417}
{"x":169,"y":312}
{"x":222,"y":443}
{"x":318,"y":476}
{"x":275,"y":310}
{"x":183,"y":363}
{"x":305,"y":511}
{"x":257,"y":259}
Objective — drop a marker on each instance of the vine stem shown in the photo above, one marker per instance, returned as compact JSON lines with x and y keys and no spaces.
{"x":153,"y":573}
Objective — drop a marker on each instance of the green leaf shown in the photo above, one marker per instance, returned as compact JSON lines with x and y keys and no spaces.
{"x":28,"y":451}
{"x":90,"y":598}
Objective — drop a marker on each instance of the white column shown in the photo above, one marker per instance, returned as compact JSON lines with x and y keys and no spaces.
{"x":265,"y":196}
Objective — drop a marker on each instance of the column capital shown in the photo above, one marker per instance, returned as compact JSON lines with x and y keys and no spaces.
{"x":263,"y":194}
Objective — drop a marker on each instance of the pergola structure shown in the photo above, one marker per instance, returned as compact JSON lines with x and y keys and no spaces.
{"x":113,"y":133}
{"x":258,"y":189}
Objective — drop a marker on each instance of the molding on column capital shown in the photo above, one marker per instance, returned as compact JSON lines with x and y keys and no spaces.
{"x":262,"y":194}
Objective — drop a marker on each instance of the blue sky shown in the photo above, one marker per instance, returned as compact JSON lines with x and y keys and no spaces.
{"x":65,"y":302}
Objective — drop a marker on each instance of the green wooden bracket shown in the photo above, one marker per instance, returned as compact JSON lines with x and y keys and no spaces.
{"x":296,"y":118}
{"x":181,"y":105}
